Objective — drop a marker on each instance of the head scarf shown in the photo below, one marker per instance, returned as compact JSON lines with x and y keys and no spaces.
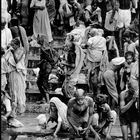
{"x":118,"y":61}
{"x":61,"y":108}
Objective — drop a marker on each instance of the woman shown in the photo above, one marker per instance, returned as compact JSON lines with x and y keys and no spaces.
{"x":19,"y":31}
{"x":41,"y":23}
{"x":15,"y":57}
{"x":58,"y":111}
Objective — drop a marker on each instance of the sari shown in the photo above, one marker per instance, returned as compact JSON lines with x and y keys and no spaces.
{"x":20,"y":32}
{"x":17,"y":77}
{"x":61,"y":111}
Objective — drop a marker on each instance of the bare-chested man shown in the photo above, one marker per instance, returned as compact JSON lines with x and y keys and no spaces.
{"x":129,"y":112}
{"x":79,"y":113}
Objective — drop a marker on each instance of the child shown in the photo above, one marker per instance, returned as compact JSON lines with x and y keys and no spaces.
{"x":104,"y":118}
{"x":129,"y":45}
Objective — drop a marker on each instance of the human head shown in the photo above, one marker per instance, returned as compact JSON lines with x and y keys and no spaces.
{"x":127,"y":36}
{"x":14,"y":22}
{"x":53,"y":107}
{"x":15,"y":43}
{"x":71,"y":1}
{"x":101,"y":99}
{"x":118,"y":62}
{"x":131,"y":88}
{"x":3,"y":23}
{"x":129,"y":56}
{"x":94,"y":5}
{"x":80,"y":96}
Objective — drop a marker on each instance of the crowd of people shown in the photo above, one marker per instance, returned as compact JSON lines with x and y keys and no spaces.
{"x":101,"y":50}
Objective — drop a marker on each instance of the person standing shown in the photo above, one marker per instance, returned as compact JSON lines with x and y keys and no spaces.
{"x":124,"y":17}
{"x":18,"y":31}
{"x":110,"y":77}
{"x":41,"y":22}
{"x":129,"y":112}
{"x":15,"y":56}
{"x":6,"y":35}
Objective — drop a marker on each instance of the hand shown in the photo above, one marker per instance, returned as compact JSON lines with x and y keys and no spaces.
{"x":97,"y":137}
{"x":108,"y":137}
{"x":77,"y":131}
{"x":41,"y":7}
{"x":111,"y":20}
{"x":135,"y":96}
{"x":4,"y":118}
{"x":85,"y":130}
{"x":55,"y":135}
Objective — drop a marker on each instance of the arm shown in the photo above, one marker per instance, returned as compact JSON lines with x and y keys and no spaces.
{"x":8,"y":108}
{"x":58,"y":126}
{"x":69,"y":110}
{"x":20,"y":55}
{"x":97,"y":137}
{"x":133,"y":3}
{"x":87,"y":16}
{"x":124,"y":107}
{"x":91,"y":106}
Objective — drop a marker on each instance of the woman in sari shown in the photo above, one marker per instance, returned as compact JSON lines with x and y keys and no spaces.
{"x":58,"y":111}
{"x":18,"y":31}
{"x":15,"y":57}
{"x":41,"y":23}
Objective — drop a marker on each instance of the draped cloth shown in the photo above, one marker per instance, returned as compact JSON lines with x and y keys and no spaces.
{"x":4,"y":67}
{"x":4,"y":12}
{"x":15,"y":33}
{"x":17,"y":77}
{"x":97,"y":54}
{"x":61,"y":110}
{"x":41,"y":22}
{"x":79,"y":38}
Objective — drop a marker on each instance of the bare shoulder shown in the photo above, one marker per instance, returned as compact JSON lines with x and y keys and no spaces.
{"x":89,"y":100}
{"x":71,"y":101}
{"x":123,"y":94}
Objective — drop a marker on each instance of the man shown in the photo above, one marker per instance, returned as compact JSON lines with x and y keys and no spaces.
{"x":103,"y":118}
{"x":6,"y":35}
{"x":79,"y":113}
{"x":129,"y":112}
{"x":110,"y":79}
{"x":124,"y":16}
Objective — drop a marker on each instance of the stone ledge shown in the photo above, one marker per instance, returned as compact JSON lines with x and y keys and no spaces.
{"x":36,"y":108}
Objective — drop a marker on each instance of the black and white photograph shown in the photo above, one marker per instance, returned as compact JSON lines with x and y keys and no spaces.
{"x":70,"y":70}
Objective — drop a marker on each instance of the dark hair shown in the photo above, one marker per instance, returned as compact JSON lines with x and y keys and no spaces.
{"x":15,"y":41}
{"x":129,"y":53}
{"x":14,"y":22}
{"x":101,"y":99}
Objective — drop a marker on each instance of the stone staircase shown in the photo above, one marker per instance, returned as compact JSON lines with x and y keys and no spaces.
{"x":33,"y":96}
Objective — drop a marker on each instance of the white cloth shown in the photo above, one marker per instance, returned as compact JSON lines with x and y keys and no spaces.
{"x":112,"y":26}
{"x":124,"y":18}
{"x":118,"y":60}
{"x":7,"y":104}
{"x":6,"y":37}
{"x":61,"y":110}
